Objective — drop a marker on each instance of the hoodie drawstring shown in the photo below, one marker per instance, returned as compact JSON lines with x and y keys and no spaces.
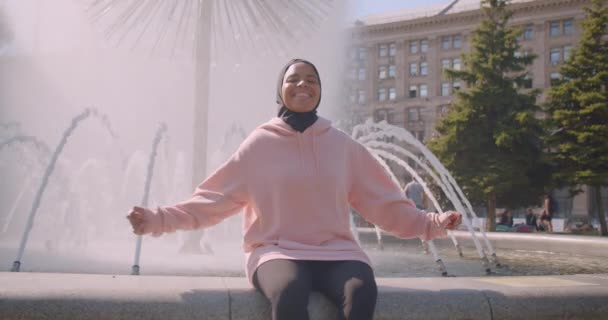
{"x":314,"y":152}
{"x":299,"y":138}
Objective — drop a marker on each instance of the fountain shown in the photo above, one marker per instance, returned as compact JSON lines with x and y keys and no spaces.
{"x":371,"y":135}
{"x":45,"y":180}
{"x":144,"y":202}
{"x":119,"y":24}
{"x":93,"y":171}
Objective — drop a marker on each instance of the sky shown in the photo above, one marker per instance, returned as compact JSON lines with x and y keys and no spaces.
{"x":370,"y":7}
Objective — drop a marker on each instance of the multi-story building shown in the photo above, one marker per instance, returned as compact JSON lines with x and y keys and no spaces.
{"x":396,"y":60}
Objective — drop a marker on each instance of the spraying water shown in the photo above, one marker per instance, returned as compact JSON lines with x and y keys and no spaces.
{"x":372,"y":135}
{"x":21,"y":139}
{"x":49,"y":170}
{"x":144,"y":202}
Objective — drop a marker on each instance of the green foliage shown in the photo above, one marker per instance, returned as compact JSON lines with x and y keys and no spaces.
{"x":578,"y":107}
{"x":490,"y":139}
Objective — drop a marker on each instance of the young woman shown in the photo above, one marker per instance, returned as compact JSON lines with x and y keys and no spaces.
{"x":297,"y":177}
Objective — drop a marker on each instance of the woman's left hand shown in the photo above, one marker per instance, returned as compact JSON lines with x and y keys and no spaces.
{"x":454,"y":219}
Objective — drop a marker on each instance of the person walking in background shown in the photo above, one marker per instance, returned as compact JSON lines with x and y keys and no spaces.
{"x":547,"y":213}
{"x":297,"y":177}
{"x":415,"y":192}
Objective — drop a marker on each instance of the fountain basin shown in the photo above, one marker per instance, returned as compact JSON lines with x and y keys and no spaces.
{"x":37,"y":295}
{"x":89,"y":296}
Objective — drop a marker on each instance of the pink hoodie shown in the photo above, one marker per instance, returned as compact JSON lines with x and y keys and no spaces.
{"x":297,"y":189}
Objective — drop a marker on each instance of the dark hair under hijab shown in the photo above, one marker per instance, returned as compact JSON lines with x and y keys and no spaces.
{"x":299,"y":121}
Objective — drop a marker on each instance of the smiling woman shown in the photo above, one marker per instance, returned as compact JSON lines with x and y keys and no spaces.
{"x":297,"y":177}
{"x":299,"y":94}
{"x":301,"y":89}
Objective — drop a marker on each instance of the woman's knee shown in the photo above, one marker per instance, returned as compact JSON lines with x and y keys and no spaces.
{"x":359,"y":291}
{"x":290,"y":301}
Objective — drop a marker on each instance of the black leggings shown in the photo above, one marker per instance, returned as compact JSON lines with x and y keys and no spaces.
{"x":350,"y":285}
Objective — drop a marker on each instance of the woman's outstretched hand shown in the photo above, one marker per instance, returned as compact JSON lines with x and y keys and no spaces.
{"x":453,"y":220}
{"x":136,"y":218}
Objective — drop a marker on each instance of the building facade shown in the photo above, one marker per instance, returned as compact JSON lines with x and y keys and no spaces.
{"x":395,"y":67}
{"x":396,"y":61}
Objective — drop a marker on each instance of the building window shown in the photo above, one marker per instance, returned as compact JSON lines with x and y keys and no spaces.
{"x":456,"y":85}
{"x":382,"y":115}
{"x":449,"y":42}
{"x":362,"y":99}
{"x":529,"y":32}
{"x":556,"y":77}
{"x":392,"y":71}
{"x":424,"y":69}
{"x":362,"y":74}
{"x":424,"y":91}
{"x":445,"y":42}
{"x":352,"y":73}
{"x":413,"y":114}
{"x":392,"y":94}
{"x":392,"y":49}
{"x":527,"y":84}
{"x":353,"y":54}
{"x":413,"y":46}
{"x":445,"y":89}
{"x":352,"y":97}
{"x":424,"y":46}
{"x":554,"y":28}
{"x":362,"y":53}
{"x":457,"y":42}
{"x":555,"y":56}
{"x":457,"y":64}
{"x":382,"y":72}
{"x":443,"y":110}
{"x":413,"y":93}
{"x":413,"y":69}
{"x":446,"y":63}
{"x":381,"y":94}
{"x":568,"y":27}
{"x":382,"y":50}
{"x":567,"y":52}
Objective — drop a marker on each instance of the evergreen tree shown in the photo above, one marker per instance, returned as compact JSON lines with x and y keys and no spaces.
{"x":578,"y":111}
{"x":489,"y":139}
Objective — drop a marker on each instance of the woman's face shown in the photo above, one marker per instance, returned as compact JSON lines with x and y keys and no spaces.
{"x":301,"y":89}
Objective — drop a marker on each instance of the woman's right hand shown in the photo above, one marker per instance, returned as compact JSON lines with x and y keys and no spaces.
{"x":136,"y":218}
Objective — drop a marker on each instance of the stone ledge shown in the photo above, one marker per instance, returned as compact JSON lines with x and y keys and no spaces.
{"x":87,"y":296}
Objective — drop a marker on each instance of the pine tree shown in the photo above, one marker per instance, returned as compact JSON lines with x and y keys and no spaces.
{"x":489,"y":138}
{"x":578,"y":111}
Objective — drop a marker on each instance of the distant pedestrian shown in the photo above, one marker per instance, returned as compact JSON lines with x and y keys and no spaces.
{"x":415,"y":192}
{"x":546,"y":215}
